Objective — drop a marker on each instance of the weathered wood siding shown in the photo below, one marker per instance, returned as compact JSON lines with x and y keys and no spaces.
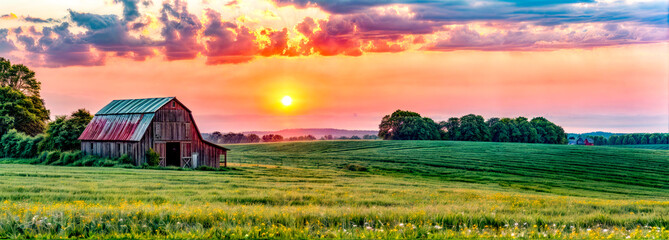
{"x":171,"y":123}
{"x":174,"y":123}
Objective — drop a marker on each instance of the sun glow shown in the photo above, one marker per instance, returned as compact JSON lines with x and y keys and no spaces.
{"x":287,"y":101}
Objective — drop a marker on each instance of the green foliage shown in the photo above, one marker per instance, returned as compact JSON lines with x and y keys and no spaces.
{"x":26,"y":114}
{"x":634,"y":139}
{"x":152,"y":158}
{"x":473,"y":128}
{"x":18,"y":77}
{"x":52,"y":157}
{"x":63,"y":133}
{"x":406,"y":125}
{"x":125,"y":159}
{"x":68,"y":158}
{"x":88,"y":160}
{"x":16,"y":144}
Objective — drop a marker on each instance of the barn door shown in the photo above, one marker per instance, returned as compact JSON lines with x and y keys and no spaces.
{"x":186,"y":159}
{"x":160,"y":149}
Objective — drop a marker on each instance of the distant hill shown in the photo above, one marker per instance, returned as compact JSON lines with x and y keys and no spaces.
{"x":316,"y":132}
{"x":592,"y":134}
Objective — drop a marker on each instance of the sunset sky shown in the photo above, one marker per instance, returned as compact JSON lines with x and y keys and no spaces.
{"x":585,"y":65}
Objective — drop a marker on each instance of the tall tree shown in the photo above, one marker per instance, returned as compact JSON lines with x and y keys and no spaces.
{"x":499,"y":131}
{"x":26,"y":114}
{"x":406,"y":125}
{"x":18,"y":77}
{"x":473,"y":128}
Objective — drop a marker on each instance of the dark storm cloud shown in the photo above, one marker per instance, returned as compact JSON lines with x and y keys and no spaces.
{"x":539,"y":12}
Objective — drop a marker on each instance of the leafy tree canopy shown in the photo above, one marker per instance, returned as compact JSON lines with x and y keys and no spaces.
{"x":24,"y":113}
{"x":406,"y":125}
{"x":63,"y":133}
{"x":19,"y":77}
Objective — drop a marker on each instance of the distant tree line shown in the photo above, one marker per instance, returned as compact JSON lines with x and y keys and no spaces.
{"x":229,"y":138}
{"x":632,"y":139}
{"x":354,"y":137}
{"x":302,"y":138}
{"x":232,"y":138}
{"x":406,"y":125}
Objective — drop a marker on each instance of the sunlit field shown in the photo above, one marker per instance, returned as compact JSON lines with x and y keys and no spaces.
{"x":353,"y":189}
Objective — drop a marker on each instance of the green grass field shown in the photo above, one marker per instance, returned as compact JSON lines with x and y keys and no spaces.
{"x":409,"y":189}
{"x":645,"y":146}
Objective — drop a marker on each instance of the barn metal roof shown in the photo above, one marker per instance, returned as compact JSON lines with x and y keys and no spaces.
{"x":134,"y":106}
{"x":128,"y":120}
{"x":120,"y":127}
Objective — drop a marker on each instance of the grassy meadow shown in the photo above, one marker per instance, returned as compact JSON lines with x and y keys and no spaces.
{"x":353,"y":189}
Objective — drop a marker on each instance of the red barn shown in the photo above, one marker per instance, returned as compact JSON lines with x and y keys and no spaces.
{"x":133,"y":126}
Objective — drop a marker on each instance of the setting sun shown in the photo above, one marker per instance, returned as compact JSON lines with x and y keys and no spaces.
{"x":287,"y":101}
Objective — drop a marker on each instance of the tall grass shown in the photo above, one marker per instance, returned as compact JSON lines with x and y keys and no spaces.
{"x":332,"y":200}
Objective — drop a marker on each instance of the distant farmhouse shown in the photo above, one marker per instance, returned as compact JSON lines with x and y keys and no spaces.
{"x":581,"y":141}
{"x":133,"y":126}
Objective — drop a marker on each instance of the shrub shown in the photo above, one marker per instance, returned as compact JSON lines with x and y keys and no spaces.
{"x":42,"y":157}
{"x":87,"y":160}
{"x":52,"y":157}
{"x":108,"y":163}
{"x":125,"y":159}
{"x":19,"y":145}
{"x":8,"y":143}
{"x":152,"y":157}
{"x":68,"y":158}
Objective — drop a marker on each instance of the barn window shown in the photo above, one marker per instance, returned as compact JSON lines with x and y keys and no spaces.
{"x":118,"y":148}
{"x":174,"y":104}
{"x":91,"y":146}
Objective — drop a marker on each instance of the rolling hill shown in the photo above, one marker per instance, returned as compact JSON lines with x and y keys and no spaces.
{"x":559,"y":169}
{"x":352,"y":190}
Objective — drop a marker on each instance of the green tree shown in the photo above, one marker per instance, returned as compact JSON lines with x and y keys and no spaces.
{"x":406,"y":125}
{"x":644,"y":140}
{"x":612,"y":140}
{"x":499,"y":131}
{"x":63,"y":133}
{"x":474,"y":128}
{"x":26,"y":114}
{"x":450,"y":130}
{"x":548,"y":132}
{"x":653,"y":139}
{"x":19,"y":77}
